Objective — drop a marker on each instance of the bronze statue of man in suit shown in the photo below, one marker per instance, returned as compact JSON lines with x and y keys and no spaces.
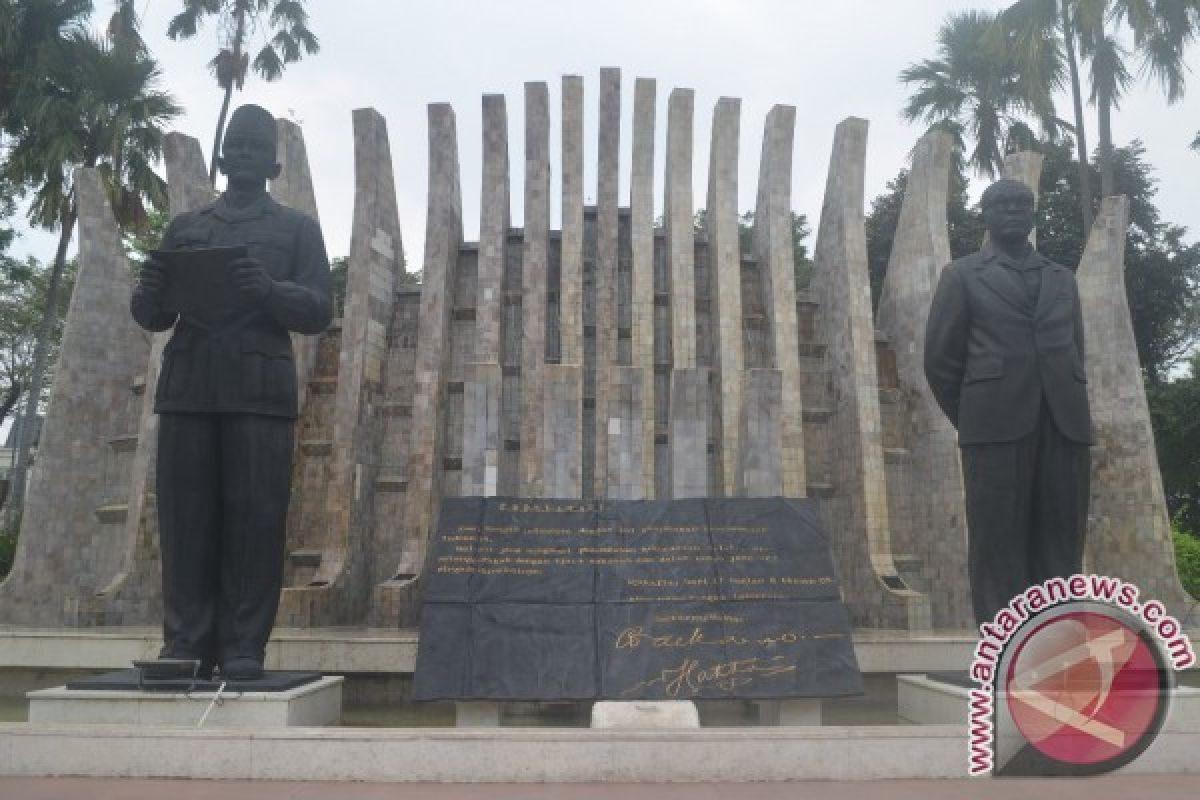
{"x":1004,"y":359}
{"x":226,"y":400}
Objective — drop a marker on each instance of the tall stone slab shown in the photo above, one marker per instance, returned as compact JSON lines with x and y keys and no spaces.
{"x":774,"y":249}
{"x":1129,"y":533}
{"x":336,"y":592}
{"x":494,"y":198}
{"x":925,"y":476}
{"x":443,"y":237}
{"x":534,"y":269}
{"x":626,"y":433}
{"x":641,"y":212}
{"x":689,"y":412}
{"x":680,"y":235}
{"x":875,"y":593}
{"x":483,"y":380}
{"x":563,"y":382}
{"x":134,"y":596}
{"x":760,"y":461}
{"x":607,"y":181}
{"x":725,"y":285}
{"x":294,"y":189}
{"x":571,"y":271}
{"x":74,"y":542}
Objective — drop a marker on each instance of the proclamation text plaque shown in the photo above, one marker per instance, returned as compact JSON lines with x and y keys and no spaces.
{"x":702,"y":598}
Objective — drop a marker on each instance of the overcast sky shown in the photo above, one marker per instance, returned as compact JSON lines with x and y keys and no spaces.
{"x":829,"y":59}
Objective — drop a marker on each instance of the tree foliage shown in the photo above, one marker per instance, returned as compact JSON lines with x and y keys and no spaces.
{"x":23,"y":286}
{"x":286,"y":39}
{"x":1162,"y":271}
{"x":976,"y":90}
{"x":1175,"y":414}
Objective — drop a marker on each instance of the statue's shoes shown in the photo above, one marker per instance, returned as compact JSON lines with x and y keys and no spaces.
{"x":241,"y":669}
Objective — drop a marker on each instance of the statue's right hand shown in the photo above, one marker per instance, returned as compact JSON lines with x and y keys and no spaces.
{"x":152,"y":280}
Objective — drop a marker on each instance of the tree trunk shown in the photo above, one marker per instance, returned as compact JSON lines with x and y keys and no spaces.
{"x":1104,"y":125}
{"x":17,"y":481}
{"x":1085,"y":178}
{"x":238,"y":35}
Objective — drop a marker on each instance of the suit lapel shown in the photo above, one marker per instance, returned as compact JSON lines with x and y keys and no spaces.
{"x":1004,"y":282}
{"x":1054,"y":279}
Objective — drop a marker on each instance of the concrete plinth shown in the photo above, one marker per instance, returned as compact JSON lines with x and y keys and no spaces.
{"x":926,"y":701}
{"x":313,"y":704}
{"x":796,"y":711}
{"x":662,"y":715}
{"x":479,"y":714}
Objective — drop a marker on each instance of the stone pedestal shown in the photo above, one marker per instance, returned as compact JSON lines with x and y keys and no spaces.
{"x":312,"y":704}
{"x":477,"y":714}
{"x":796,"y":711}
{"x":647,"y":715}
{"x":927,"y":701}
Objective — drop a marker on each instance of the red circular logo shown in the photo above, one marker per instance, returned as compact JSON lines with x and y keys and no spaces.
{"x":1085,"y":688}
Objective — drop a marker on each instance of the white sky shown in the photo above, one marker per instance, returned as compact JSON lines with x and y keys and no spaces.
{"x":830,"y":60}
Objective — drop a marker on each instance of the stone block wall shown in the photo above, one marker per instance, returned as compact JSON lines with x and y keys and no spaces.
{"x":607,"y":359}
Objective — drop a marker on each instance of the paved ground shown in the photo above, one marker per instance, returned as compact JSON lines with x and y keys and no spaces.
{"x":1142,"y":787}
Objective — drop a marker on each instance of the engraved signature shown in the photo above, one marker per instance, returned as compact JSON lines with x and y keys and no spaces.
{"x":634,"y":637}
{"x":690,"y":678}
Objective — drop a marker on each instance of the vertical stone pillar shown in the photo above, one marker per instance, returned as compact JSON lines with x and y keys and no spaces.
{"x":69,"y":551}
{"x":636,"y":438}
{"x":1129,"y":532}
{"x":725,"y":284}
{"x":331,"y":506}
{"x":606,"y":264}
{"x":680,"y":235}
{"x":535,"y":266}
{"x":760,"y":462}
{"x":775,"y":251}
{"x":687,"y":436}
{"x":493,"y":228}
{"x":927,"y":481}
{"x":571,"y":280}
{"x":483,"y":378}
{"x":443,"y":235}
{"x":874,"y":591}
{"x":134,"y":597}
{"x":294,"y":189}
{"x":563,"y":399}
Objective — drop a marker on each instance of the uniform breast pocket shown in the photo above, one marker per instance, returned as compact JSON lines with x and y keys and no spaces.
{"x":268,"y":376}
{"x":275,"y":252}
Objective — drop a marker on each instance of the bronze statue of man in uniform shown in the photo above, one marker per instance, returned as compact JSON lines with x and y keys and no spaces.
{"x":227,"y":404}
{"x":1004,"y":359}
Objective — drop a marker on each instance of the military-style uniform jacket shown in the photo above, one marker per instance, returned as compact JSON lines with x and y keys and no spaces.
{"x":240,"y":360}
{"x":991,"y":353}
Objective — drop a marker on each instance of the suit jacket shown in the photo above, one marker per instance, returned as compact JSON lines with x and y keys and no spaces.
{"x":991,"y":355}
{"x":240,"y":360}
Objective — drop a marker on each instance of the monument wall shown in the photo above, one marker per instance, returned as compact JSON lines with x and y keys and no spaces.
{"x":611,"y":358}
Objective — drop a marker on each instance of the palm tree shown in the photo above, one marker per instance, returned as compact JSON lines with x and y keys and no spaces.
{"x":286,"y":21}
{"x":1160,"y":31}
{"x":977,"y":90}
{"x":33,"y":33}
{"x":98,"y":106}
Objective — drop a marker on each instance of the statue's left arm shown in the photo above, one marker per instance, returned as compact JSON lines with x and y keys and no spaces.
{"x":304,"y":303}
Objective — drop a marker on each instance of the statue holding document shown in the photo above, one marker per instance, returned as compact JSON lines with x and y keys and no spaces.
{"x":233,"y":277}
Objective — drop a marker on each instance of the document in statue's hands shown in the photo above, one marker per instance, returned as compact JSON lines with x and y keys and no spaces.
{"x":199,"y":282}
